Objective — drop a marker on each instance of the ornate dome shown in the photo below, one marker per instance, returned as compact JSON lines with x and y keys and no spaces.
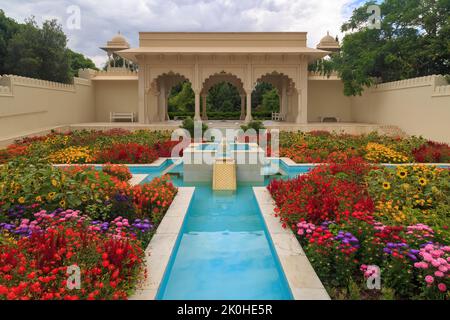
{"x":118,"y":42}
{"x":119,"y":38}
{"x":328,"y":43}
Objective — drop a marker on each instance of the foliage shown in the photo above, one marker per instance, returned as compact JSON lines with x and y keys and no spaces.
{"x":344,"y":235}
{"x":92,"y":146}
{"x":38,"y":52}
{"x":35,"y":266}
{"x":121,"y":172}
{"x":412,"y":42}
{"x":254,"y":125}
{"x":127,"y":153}
{"x":411,"y":195}
{"x":71,"y":155}
{"x":432,"y":152}
{"x":153,"y":199}
{"x":182,"y":98}
{"x":322,"y":146}
{"x":189,"y":125}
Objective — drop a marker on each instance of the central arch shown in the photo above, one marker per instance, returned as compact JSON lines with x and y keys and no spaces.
{"x":160,"y":89}
{"x":216,"y":79}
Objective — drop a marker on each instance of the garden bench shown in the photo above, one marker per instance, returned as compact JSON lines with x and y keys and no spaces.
{"x":276,"y":116}
{"x":329,"y":119}
{"x":121,"y":116}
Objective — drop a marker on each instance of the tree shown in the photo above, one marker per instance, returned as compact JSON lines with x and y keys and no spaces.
{"x":39,"y":52}
{"x":8,"y":27}
{"x":182,"y":98}
{"x":414,"y":41}
{"x":224,"y":97}
{"x":270,"y":101}
{"x":79,"y":61}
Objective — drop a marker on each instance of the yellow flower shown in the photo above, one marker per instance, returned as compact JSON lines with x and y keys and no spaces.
{"x":39,"y":199}
{"x":84,"y":198}
{"x":51,"y":195}
{"x":21,"y":200}
{"x":423,"y":182}
{"x":386,"y":185}
{"x":402,"y":173}
{"x":54,"y":183}
{"x":62,"y":203}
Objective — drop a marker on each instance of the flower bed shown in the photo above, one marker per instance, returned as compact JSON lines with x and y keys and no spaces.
{"x":80,"y":147}
{"x":321,"y":146}
{"x":51,"y":219}
{"x":351,"y":217}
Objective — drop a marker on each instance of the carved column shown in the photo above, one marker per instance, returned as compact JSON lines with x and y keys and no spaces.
{"x":142,"y":93}
{"x":242,"y":107}
{"x":197,"y":116}
{"x":302,"y":111}
{"x":248,"y":116}
{"x":204,"y":114}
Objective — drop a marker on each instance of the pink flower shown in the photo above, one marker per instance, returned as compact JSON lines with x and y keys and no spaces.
{"x":435,"y":263}
{"x":439,"y":274}
{"x":429,"y":279}
{"x":442,"y":287}
{"x":443,"y":268}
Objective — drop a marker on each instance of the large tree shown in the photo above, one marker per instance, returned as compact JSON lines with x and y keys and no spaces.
{"x":38,"y":52}
{"x":413,"y":41}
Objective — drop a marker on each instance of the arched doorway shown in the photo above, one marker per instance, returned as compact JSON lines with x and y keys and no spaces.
{"x":233,"y":95}
{"x":275,"y":93}
{"x":163,"y":88}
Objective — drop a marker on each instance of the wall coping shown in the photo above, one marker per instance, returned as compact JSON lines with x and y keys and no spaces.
{"x":301,"y":276}
{"x":161,"y":246}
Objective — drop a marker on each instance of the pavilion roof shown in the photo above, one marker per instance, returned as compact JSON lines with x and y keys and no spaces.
{"x":132,"y":54}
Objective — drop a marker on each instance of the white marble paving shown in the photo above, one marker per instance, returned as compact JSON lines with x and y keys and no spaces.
{"x":161,"y":246}
{"x":302,"y":279}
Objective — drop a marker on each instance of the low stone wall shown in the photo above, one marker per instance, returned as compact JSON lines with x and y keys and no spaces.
{"x":418,"y":106}
{"x":30,"y":105}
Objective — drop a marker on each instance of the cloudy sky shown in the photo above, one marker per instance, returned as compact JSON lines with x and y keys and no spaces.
{"x":100,"y":20}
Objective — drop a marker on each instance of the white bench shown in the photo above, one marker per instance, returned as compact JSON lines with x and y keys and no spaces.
{"x":329,"y":119}
{"x":276,"y":116}
{"x":121,"y":116}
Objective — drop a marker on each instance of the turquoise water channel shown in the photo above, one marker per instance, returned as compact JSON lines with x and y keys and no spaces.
{"x":224,"y":250}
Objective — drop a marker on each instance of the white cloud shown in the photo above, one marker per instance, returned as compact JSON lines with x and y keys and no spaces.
{"x":100,"y":20}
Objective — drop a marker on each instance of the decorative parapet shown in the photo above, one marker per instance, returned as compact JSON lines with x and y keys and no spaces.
{"x":37,"y":83}
{"x":115,"y":74}
{"x":407,"y":83}
{"x":8,"y":82}
{"x":5,"y":91}
{"x":313,"y":75}
{"x":441,"y":91}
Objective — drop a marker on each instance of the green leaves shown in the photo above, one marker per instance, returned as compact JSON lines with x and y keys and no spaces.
{"x":414,"y":41}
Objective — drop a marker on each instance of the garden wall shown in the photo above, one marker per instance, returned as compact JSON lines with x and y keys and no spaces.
{"x":326,"y":99}
{"x":31,"y":105}
{"x":418,"y":106}
{"x":115,"y":96}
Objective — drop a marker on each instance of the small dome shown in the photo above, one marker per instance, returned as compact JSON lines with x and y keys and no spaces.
{"x":118,"y":42}
{"x":119,"y":38}
{"x":328,"y":43}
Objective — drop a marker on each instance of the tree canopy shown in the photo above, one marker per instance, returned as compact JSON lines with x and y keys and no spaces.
{"x":413,"y":41}
{"x":38,"y":52}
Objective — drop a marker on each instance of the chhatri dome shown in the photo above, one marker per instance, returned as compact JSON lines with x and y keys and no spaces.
{"x":118,"y":42}
{"x":328,"y":43}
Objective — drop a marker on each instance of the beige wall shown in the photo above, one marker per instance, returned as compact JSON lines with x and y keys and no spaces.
{"x":419,"y":106}
{"x":28,"y":105}
{"x":326,"y":99}
{"x":116,"y":96}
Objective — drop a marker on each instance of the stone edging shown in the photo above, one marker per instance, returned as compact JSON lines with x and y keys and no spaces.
{"x":302,"y":279}
{"x":162,"y":244}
